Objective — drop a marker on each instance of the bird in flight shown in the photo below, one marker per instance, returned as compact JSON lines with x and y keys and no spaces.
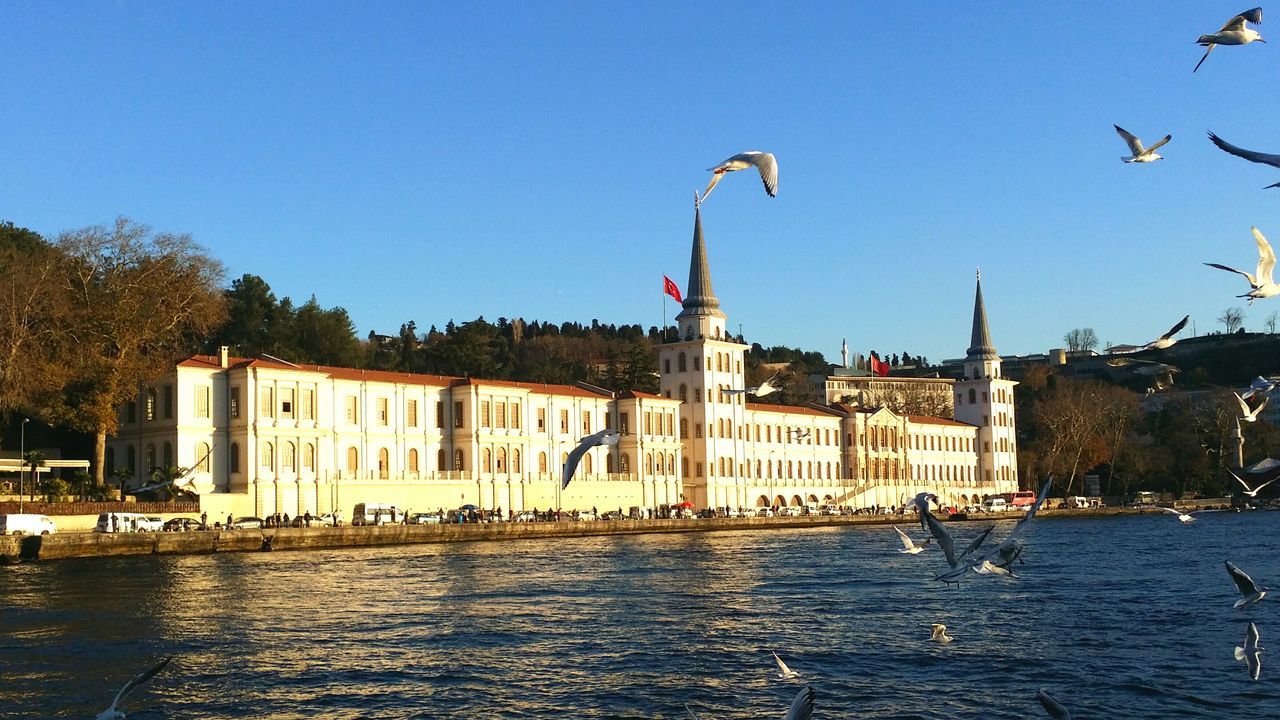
{"x":784,"y":672}
{"x":112,"y":713}
{"x":1251,"y":492}
{"x":1246,"y":414}
{"x":604,"y":437}
{"x":1248,"y":654}
{"x":1160,"y":343}
{"x":801,"y":707}
{"x":1235,"y":32}
{"x":1260,"y":283}
{"x":1259,"y":385}
{"x":765,"y":388}
{"x":1184,"y":518}
{"x":909,"y":547}
{"x":940,"y":634}
{"x":1250,"y":155}
{"x":1137,"y":153}
{"x":1056,"y":710}
{"x":1250,"y":593}
{"x":762,"y":161}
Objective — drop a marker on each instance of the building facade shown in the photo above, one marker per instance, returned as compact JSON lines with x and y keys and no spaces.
{"x":265,"y":436}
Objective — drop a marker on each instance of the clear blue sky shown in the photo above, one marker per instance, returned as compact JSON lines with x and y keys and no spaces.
{"x":427,"y":161}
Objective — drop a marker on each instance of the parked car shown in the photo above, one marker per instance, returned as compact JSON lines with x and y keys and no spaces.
{"x":791,"y":511}
{"x":151,"y":523}
{"x":830,"y":510}
{"x":26,"y":524}
{"x":995,"y":504}
{"x":764,"y":512}
{"x":526,"y":516}
{"x":424,"y":519}
{"x":118,"y":522}
{"x":181,"y":525}
{"x":732,"y":513}
{"x":586,"y":517}
{"x":246,"y":523}
{"x":326,"y":520}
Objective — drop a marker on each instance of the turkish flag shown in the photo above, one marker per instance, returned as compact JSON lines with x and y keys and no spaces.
{"x":879,"y":367}
{"x":669,"y":287}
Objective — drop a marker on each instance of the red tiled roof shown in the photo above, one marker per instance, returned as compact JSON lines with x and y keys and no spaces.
{"x":928,"y":420}
{"x":542,"y":388}
{"x":792,"y":409}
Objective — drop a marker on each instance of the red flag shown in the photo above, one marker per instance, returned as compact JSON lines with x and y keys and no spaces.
{"x":669,"y":287}
{"x":878,"y":367}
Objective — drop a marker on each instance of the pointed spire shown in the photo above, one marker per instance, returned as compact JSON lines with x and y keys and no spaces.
{"x":980,"y":342}
{"x":699,"y":298}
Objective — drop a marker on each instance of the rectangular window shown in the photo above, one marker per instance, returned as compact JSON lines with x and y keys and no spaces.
{"x":500,"y":415}
{"x":515,"y":416}
{"x":286,"y":403}
{"x":202,"y":401}
{"x":699,"y":473}
{"x":697,"y":432}
{"x":235,"y":403}
{"x":484,"y":414}
{"x":586,"y":422}
{"x":542,"y":419}
{"x":697,"y":395}
{"x":308,"y":402}
{"x":670,"y":429}
{"x":131,"y":412}
{"x":168,"y":402}
{"x":684,"y":429}
{"x":624,"y":423}
{"x":267,"y":403}
{"x":666,"y":366}
{"x":648,"y":423}
{"x":384,"y":412}
{"x":411,"y":413}
{"x":439,"y":414}
{"x":353,"y":410}
{"x":457,"y":415}
{"x":564,"y":421}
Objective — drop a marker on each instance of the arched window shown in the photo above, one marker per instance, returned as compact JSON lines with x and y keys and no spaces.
{"x":501,"y":458}
{"x":308,"y":456}
{"x":973,"y":396}
{"x":440,"y":463}
{"x":413,"y":460}
{"x":286,"y":456}
{"x":586,"y":463}
{"x":681,"y":364}
{"x":267,"y":455}
{"x":202,"y":457}
{"x":542,"y":462}
{"x":235,"y":457}
{"x":458,"y":460}
{"x":353,"y":460}
{"x":486,"y":461}
{"x":384,"y":463}
{"x":757,"y":468}
{"x":515,"y":460}
{"x":671,"y":464}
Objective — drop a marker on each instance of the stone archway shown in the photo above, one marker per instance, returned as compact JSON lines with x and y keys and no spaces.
{"x":762,"y":501}
{"x":796,"y":501}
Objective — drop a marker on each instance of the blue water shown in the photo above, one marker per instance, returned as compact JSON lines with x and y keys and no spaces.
{"x":1118,"y":617}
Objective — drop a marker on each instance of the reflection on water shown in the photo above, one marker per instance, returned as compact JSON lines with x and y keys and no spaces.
{"x":1121,"y":616}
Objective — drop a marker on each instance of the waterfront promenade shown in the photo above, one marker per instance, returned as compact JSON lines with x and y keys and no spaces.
{"x":90,"y":544}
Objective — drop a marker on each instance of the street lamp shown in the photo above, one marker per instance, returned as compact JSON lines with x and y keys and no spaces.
{"x":22,"y":460}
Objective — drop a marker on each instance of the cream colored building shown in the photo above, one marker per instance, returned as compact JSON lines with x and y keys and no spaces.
{"x":265,"y":436}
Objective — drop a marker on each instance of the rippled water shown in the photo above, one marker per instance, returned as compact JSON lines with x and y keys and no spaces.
{"x":1120,"y":617}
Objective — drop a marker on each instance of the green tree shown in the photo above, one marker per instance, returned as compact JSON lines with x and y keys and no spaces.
{"x":32,"y":313}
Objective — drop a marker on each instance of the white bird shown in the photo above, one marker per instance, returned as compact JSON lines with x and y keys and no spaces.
{"x":987,"y":568}
{"x":1167,"y":339}
{"x":1250,"y":593}
{"x":1056,"y":710}
{"x":784,"y":672}
{"x":1248,"y":654}
{"x":1140,"y":154}
{"x":1184,"y":518}
{"x":604,"y":437}
{"x":762,"y":161}
{"x":940,"y":634}
{"x":1246,"y":414}
{"x":909,"y":547}
{"x":1250,"y":155}
{"x":1251,"y":492}
{"x":765,"y":388}
{"x":112,"y":713}
{"x":1260,"y":385}
{"x":1260,"y":284}
{"x":1233,"y":33}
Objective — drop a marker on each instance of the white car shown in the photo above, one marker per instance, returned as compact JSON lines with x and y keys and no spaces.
{"x":995,"y":505}
{"x":151,"y":523}
{"x":26,"y":524}
{"x":791,"y":511}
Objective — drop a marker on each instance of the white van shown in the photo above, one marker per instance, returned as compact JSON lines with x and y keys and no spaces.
{"x":26,"y":524}
{"x":376,"y":514}
{"x":995,"y":504}
{"x":117,"y":522}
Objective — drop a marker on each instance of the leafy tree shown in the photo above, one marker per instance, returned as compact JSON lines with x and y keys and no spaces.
{"x":32,"y":318}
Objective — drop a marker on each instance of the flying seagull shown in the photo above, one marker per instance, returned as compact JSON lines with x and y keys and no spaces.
{"x":1056,"y":710}
{"x":1250,"y":593}
{"x":1140,"y":154}
{"x":1250,"y":155}
{"x":1259,"y":385}
{"x":762,"y":161}
{"x":1246,"y":414}
{"x":940,"y":634}
{"x":112,"y":713}
{"x":908,"y":547}
{"x":1249,"y":653}
{"x":801,"y":707}
{"x":784,"y":672}
{"x":604,"y":437}
{"x":989,"y":568}
{"x":1260,"y":284}
{"x":1184,"y":518}
{"x":1233,"y":33}
{"x":1253,"y":493}
{"x":765,"y":388}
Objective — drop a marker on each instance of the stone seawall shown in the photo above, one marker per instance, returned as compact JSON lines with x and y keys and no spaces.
{"x":78,"y":545}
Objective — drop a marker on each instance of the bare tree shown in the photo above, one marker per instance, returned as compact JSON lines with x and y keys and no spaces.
{"x":1080,"y":339}
{"x":29,"y":318}
{"x":1271,"y":321}
{"x":1232,"y":318}
{"x":137,"y":301}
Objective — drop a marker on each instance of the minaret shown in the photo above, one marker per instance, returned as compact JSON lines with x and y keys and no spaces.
{"x":696,"y":369}
{"x":985,"y":399}
{"x":844,"y":353}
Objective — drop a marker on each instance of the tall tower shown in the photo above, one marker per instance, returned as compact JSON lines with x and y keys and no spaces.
{"x":695,"y":369}
{"x":985,"y":399}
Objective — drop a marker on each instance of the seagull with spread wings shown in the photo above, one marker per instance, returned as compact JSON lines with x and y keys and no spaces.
{"x":908,"y":546}
{"x":1138,"y":153}
{"x":762,"y":161}
{"x":765,"y":388}
{"x":1259,"y":385}
{"x":1250,"y":593}
{"x":1246,"y":414}
{"x":1235,"y":32}
{"x":1250,"y":155}
{"x":604,"y":437}
{"x":1056,"y":709}
{"x":1248,"y":654}
{"x":784,"y":672}
{"x":112,"y":713}
{"x":1251,"y":492}
{"x":1260,"y":283}
{"x":1160,"y":343}
{"x":801,"y":707}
